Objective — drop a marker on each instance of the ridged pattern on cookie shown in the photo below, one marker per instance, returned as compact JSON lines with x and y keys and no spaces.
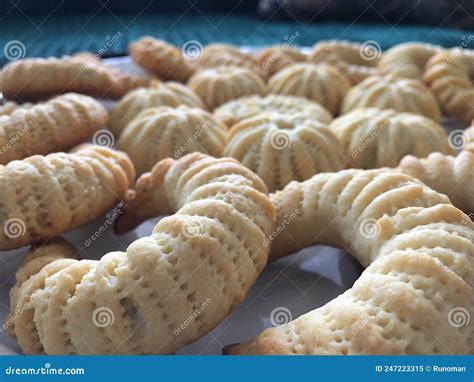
{"x":237,"y":110}
{"x":162,"y":59}
{"x":374,"y":138}
{"x":418,"y":250}
{"x":43,"y":196}
{"x":274,"y":58}
{"x":203,"y":258}
{"x":407,"y":60}
{"x":400,"y":94}
{"x":220,"y":84}
{"x":450,"y":75}
{"x":33,"y":78}
{"x":163,"y":94}
{"x":55,"y":125}
{"x":357,"y":62}
{"x":165,"y":132}
{"x":281,"y":148}
{"x":321,"y":83}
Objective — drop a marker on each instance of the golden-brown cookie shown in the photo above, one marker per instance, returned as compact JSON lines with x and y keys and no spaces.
{"x":281,"y":148}
{"x":220,"y":84}
{"x":160,"y":58}
{"x":274,"y":58}
{"x":387,"y":92}
{"x":321,"y":83}
{"x":356,"y":61}
{"x":139,"y":301}
{"x":407,"y":60}
{"x":450,"y":75}
{"x":234,"y":111}
{"x":225,"y":55}
{"x":374,"y":138}
{"x":34,"y":78}
{"x":55,"y":125}
{"x":166,"y":132}
{"x":43,"y":196}
{"x":418,"y":250}
{"x":160,"y":94}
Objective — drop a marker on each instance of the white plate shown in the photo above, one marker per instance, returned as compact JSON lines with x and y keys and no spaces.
{"x":286,"y":289}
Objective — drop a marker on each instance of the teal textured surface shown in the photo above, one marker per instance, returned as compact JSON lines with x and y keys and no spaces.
{"x":110,"y":34}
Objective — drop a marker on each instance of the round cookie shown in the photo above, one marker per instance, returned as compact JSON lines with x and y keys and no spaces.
{"x":387,"y":92}
{"x":234,"y":111}
{"x":318,"y":82}
{"x":281,"y":148}
{"x":161,"y":94}
{"x":374,"y":138}
{"x":166,"y":132}
{"x":220,"y":84}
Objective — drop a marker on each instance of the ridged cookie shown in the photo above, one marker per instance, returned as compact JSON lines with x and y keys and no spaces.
{"x":281,"y":148}
{"x":34,"y":78}
{"x":160,"y":94}
{"x":388,"y":92}
{"x":55,"y":125}
{"x":234,"y":111}
{"x":166,"y":132}
{"x":220,"y":84}
{"x":199,"y":263}
{"x":374,"y":138}
{"x":418,"y":250}
{"x":43,"y":196}
{"x":320,"y":83}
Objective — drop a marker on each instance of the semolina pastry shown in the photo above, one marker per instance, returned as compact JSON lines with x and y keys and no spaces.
{"x":166,"y":132}
{"x":407,"y":60}
{"x":226,"y":55}
{"x":43,"y":196}
{"x":135,"y":302}
{"x":320,"y":83}
{"x":418,"y":252}
{"x":160,"y":94}
{"x":280,"y":148}
{"x":162,"y":59}
{"x":55,"y":125}
{"x":34,"y":78}
{"x":450,"y":75}
{"x":452,"y":176}
{"x":274,"y":58}
{"x":234,"y":111}
{"x":220,"y":84}
{"x":388,"y":92}
{"x":356,"y":61}
{"x":374,"y":138}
